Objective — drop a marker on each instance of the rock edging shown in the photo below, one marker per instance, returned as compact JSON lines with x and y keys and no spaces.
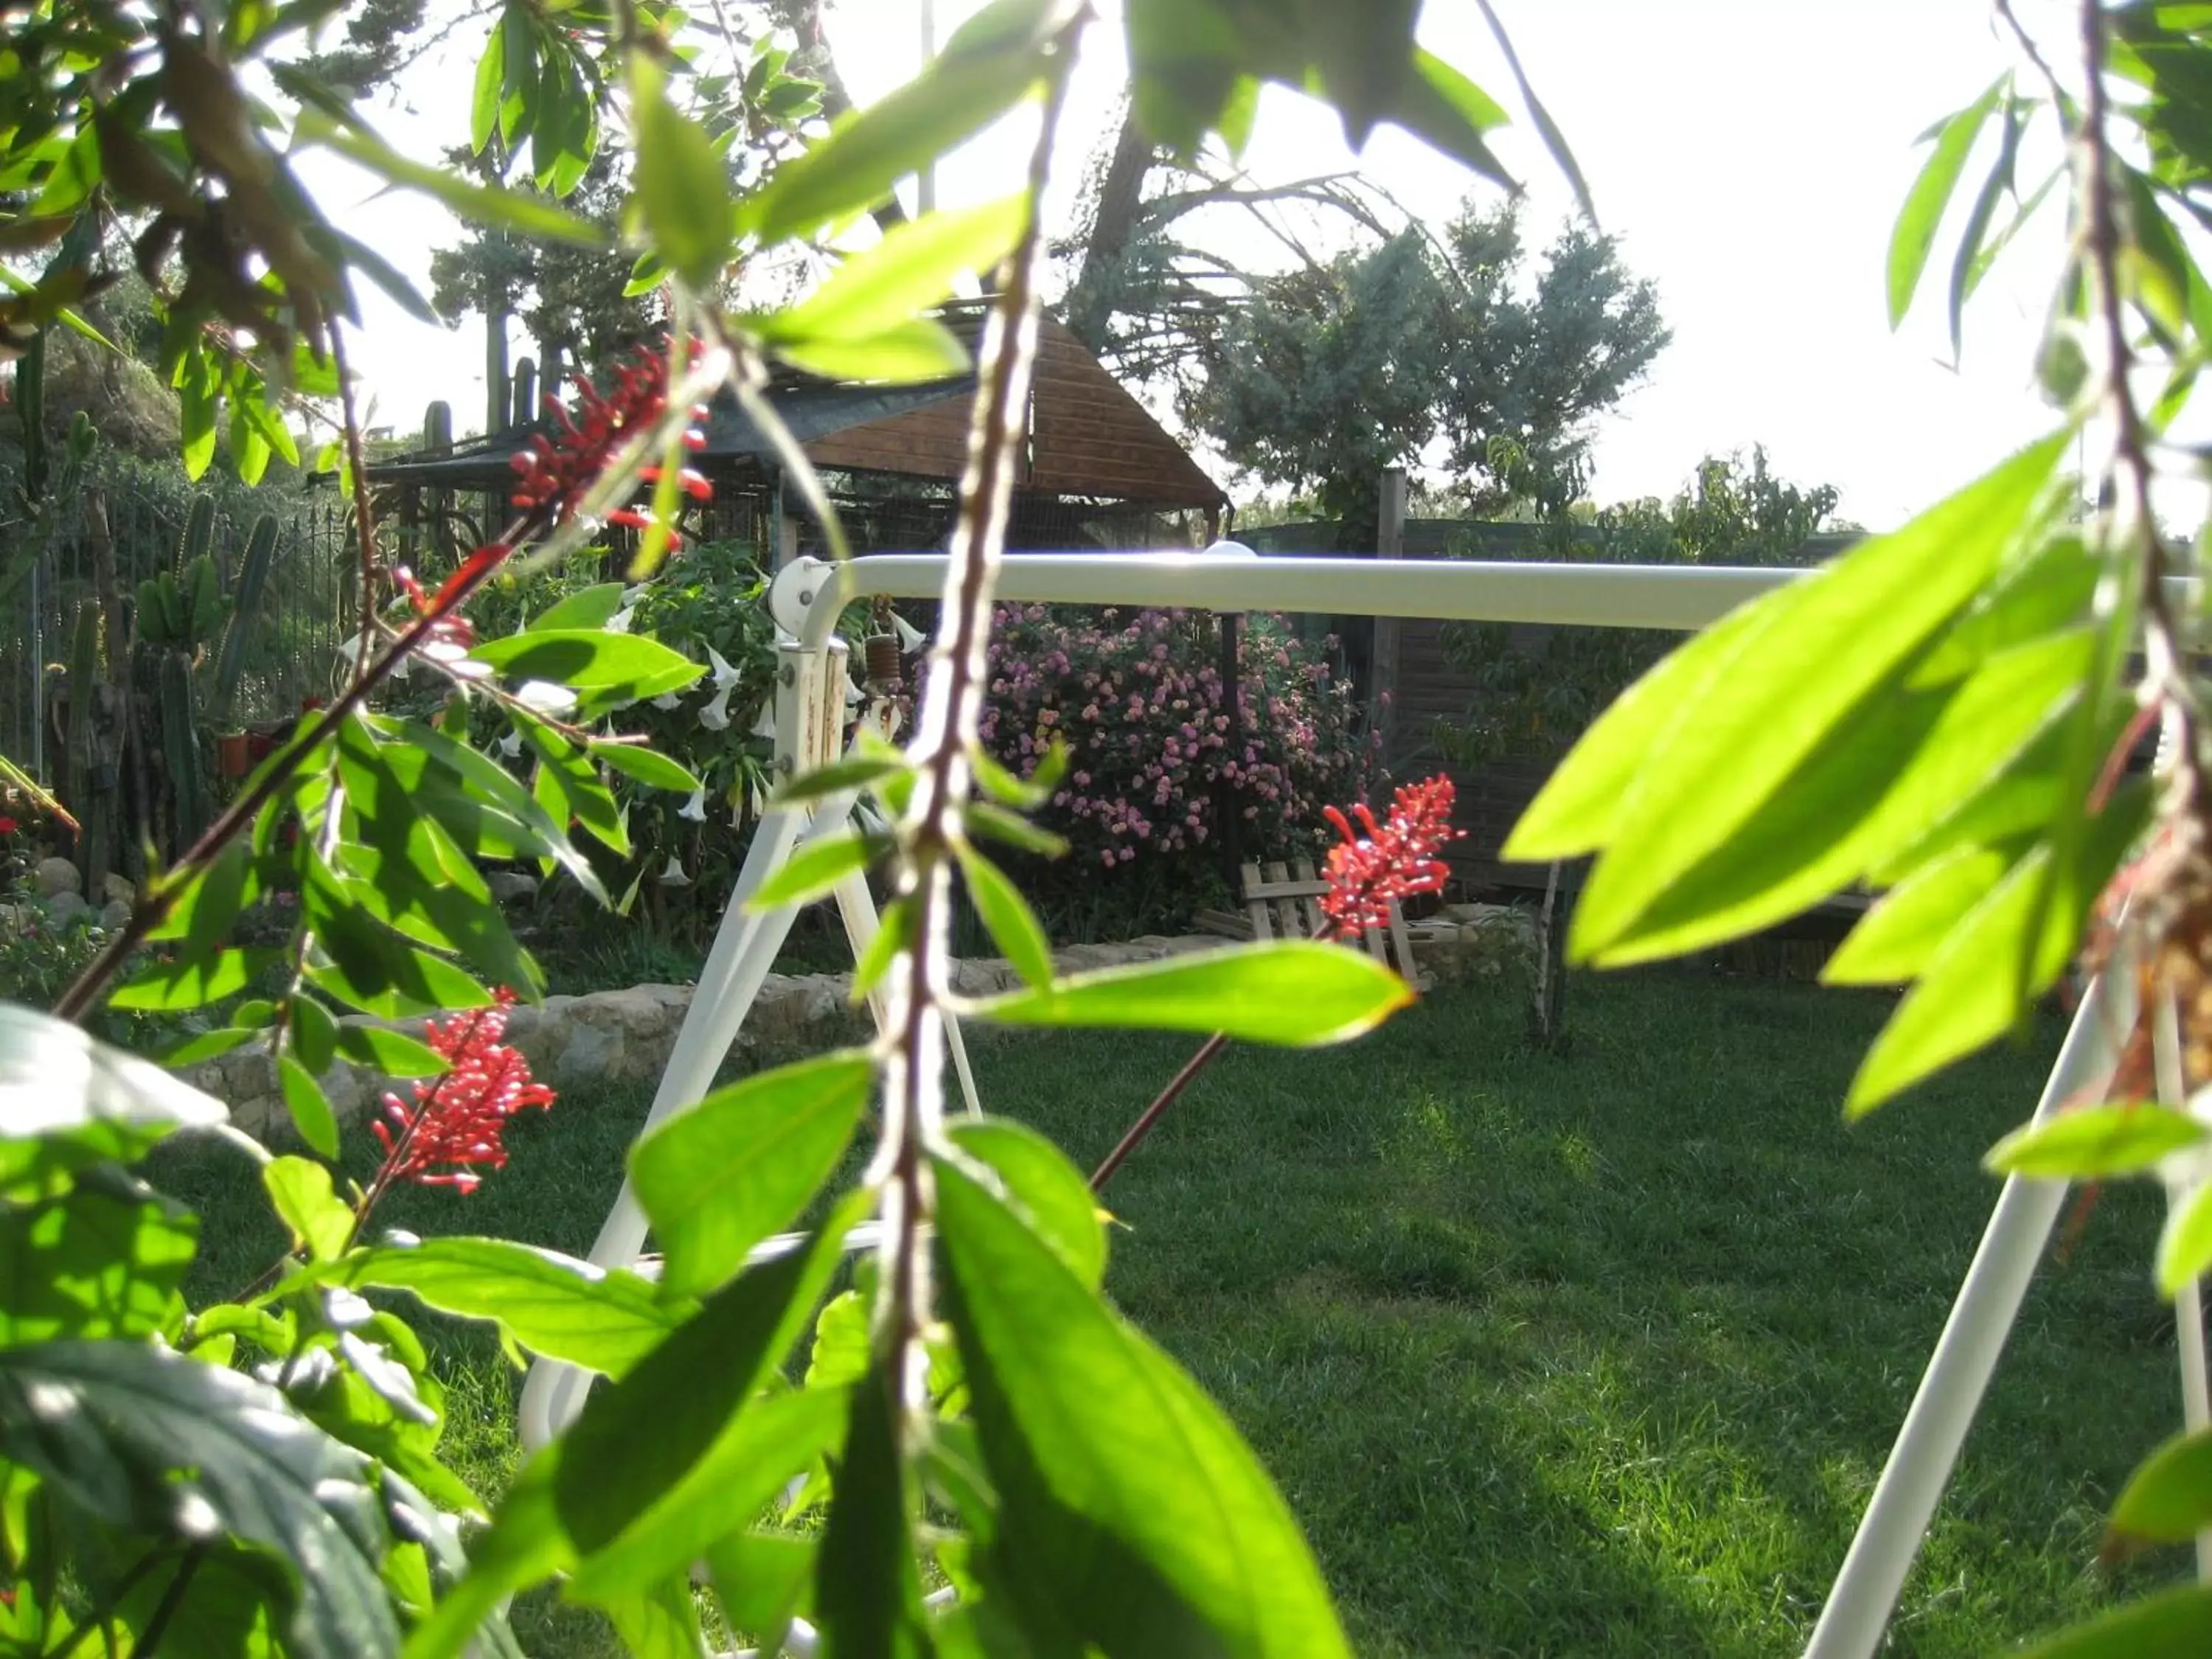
{"x":625,"y":1035}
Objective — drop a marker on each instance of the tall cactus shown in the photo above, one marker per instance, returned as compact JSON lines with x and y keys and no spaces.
{"x":181,"y":748}
{"x":87,"y":769}
{"x":198,"y":538}
{"x":245,"y":615}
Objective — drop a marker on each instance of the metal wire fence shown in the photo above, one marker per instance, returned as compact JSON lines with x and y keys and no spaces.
{"x":117,"y":534}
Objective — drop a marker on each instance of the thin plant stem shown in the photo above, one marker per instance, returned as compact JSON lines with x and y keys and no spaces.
{"x":1166,"y":1097}
{"x":364,"y":513}
{"x":157,"y":1625}
{"x":933,"y":829}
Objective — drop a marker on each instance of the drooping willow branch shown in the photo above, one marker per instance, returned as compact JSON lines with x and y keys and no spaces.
{"x":932,"y":829}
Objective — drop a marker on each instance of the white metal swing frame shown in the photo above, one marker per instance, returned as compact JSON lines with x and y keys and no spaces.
{"x":811,"y":708}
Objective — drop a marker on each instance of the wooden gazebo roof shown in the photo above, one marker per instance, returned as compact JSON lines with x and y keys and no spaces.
{"x":1088,"y":437}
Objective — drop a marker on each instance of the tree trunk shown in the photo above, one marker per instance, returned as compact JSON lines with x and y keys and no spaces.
{"x":1113,"y":224}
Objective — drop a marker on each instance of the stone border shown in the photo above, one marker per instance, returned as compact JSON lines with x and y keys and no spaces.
{"x":625,"y":1035}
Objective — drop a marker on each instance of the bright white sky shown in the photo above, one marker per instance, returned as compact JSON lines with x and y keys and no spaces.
{"x":1750,"y":155}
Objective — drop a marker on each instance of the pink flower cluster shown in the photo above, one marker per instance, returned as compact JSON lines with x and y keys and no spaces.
{"x":1155,"y":745}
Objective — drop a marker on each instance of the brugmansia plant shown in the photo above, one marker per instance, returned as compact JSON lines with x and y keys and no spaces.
{"x":1947,"y":714}
{"x":262,"y":1475}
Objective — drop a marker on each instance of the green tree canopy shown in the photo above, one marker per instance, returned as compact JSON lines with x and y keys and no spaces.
{"x":1443,"y":352}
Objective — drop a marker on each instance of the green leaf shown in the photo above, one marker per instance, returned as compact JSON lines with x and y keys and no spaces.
{"x":2185,"y":1244}
{"x":2176,"y":1623}
{"x":314,"y":1033}
{"x":2010,"y":948}
{"x":868,"y":1588}
{"x":906,"y":354}
{"x":577,"y":782}
{"x":739,"y":1472}
{"x":1007,"y":914}
{"x":1044,"y":1188}
{"x":682,"y":182}
{"x":718,"y":1178}
{"x":2168,"y":1500}
{"x":816,"y":867}
{"x":532,"y":216}
{"x":205,"y":913}
{"x":390,"y":1053}
{"x":549,"y":1304}
{"x":1133,"y":1518}
{"x":1738,"y":727}
{"x":106,"y":1259}
{"x":760,"y":1578}
{"x":969,"y":85}
{"x":895,"y":932}
{"x":591,"y":607}
{"x":142,"y":1436}
{"x":853,"y":772}
{"x":484,"y":787}
{"x":309,"y":1107}
{"x":992,"y":821}
{"x":1895,"y":940}
{"x":2094,"y":1142}
{"x":491,"y":83}
{"x":913,"y":267}
{"x":1893,"y":768}
{"x":626,"y":1461}
{"x":1914,"y":234}
{"x":321,"y":1221}
{"x":591,"y":659}
{"x":1540,"y":117}
{"x":175,"y":986}
{"x":1964,"y":262}
{"x":653,"y":770}
{"x":1437,"y":104}
{"x":1299,"y":993}
{"x":207,"y":1046}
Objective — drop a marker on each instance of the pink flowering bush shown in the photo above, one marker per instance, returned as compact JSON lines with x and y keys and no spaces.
{"x":1157,"y":753}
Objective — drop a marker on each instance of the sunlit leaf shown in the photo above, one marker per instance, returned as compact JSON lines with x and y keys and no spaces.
{"x":300,"y":1190}
{"x":550,"y":1303}
{"x":1008,"y":916}
{"x":1298,"y":993}
{"x":911,"y":269}
{"x":1914,"y":234}
{"x":816,"y":867}
{"x":1133,"y":1518}
{"x":718,"y":1178}
{"x":2168,"y":1499}
{"x":1044,"y":1188}
{"x":682,"y":182}
{"x":2092,"y":1142}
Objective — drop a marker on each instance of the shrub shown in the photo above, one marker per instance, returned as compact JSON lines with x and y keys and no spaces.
{"x":1156,"y":754}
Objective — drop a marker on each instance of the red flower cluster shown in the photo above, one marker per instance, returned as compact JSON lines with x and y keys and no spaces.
{"x":8,"y":826}
{"x":555,"y":472}
{"x":1393,"y":860}
{"x":457,"y":1120}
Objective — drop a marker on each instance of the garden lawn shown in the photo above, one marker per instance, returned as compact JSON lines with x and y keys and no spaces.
{"x":1551,"y":1357}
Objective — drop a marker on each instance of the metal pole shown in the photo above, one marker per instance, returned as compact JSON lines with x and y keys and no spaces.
{"x":1920,"y":1464}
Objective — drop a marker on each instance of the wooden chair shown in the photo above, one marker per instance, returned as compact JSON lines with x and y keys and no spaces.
{"x":1284,"y":906}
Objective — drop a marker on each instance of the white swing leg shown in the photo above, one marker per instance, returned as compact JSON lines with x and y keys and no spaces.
{"x":856,"y":905}
{"x":2188,"y":1304}
{"x":1919,"y":1468}
{"x":745,"y":945}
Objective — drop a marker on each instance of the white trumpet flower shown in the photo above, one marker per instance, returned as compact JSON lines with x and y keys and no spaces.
{"x":544,"y":698}
{"x":696,"y":808}
{"x":671,"y":874}
{"x":668,"y":701}
{"x":511,"y":744}
{"x":715,"y":716}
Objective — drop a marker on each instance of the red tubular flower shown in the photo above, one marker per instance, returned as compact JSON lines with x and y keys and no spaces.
{"x":553,"y":472}
{"x":456,"y":1121}
{"x":1393,"y":860}
{"x":7,"y":826}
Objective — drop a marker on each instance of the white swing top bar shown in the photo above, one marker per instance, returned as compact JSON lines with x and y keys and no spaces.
{"x":807,"y":595}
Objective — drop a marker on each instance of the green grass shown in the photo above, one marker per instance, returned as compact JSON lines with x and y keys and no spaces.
{"x":1594,"y":1355}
